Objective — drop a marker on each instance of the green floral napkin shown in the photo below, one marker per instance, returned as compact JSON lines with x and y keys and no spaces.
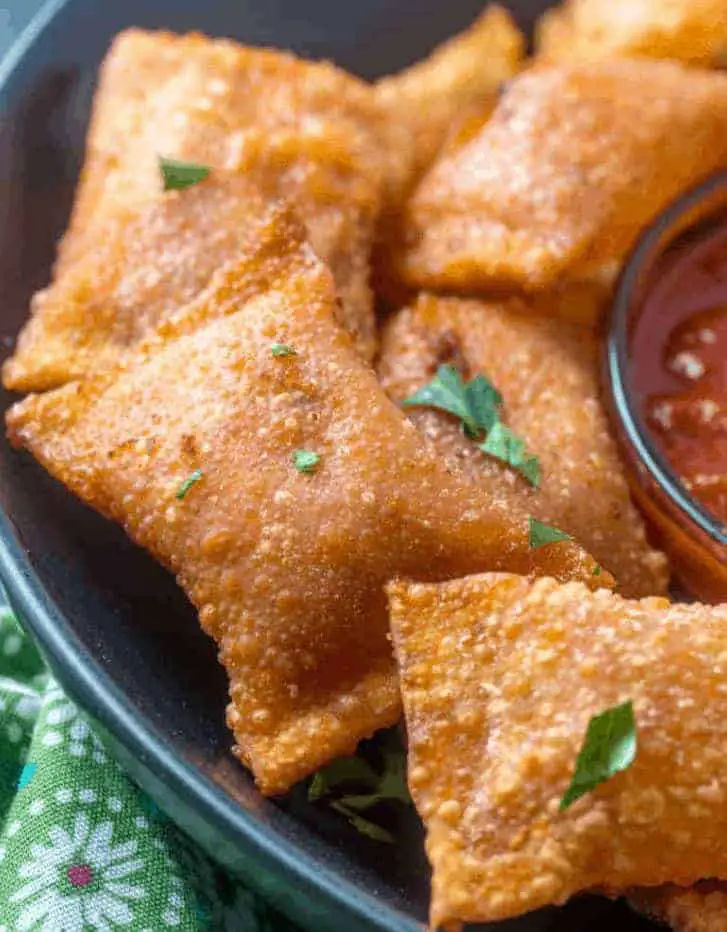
{"x":81,"y":846}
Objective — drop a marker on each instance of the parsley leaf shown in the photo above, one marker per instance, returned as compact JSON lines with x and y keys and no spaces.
{"x":306,"y":461}
{"x":504,"y":445}
{"x":596,"y":570}
{"x":543,"y":534}
{"x":475,"y":403}
{"x":387,"y":786}
{"x":608,"y":748}
{"x":282,"y":349}
{"x":178,"y":175}
{"x":188,"y":483}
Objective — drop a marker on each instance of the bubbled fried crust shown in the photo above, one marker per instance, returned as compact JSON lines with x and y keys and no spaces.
{"x":500,"y":676}
{"x":463,"y":74}
{"x":692,"y":31}
{"x":286,"y":569}
{"x":145,"y":265}
{"x":701,"y":908}
{"x":301,"y":130}
{"x":547,"y":372}
{"x":573,"y":164}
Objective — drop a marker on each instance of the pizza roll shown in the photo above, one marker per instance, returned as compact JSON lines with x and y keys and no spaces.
{"x":692,"y":31}
{"x":500,"y":678}
{"x":304,"y":131}
{"x":547,"y":372}
{"x":463,"y":74}
{"x":247,"y":446}
{"x":554,"y":189}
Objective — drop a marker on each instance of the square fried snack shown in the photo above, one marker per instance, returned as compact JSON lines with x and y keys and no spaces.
{"x":500,"y":676}
{"x":195,"y":442}
{"x":301,"y":130}
{"x":547,"y":372}
{"x":463,"y":74}
{"x":701,"y":908}
{"x":559,"y":182}
{"x":692,"y":31}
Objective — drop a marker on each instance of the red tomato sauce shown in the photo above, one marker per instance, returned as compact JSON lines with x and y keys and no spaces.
{"x":679,"y":348}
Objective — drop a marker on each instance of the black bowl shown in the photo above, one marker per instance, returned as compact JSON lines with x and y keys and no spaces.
{"x":115,"y":628}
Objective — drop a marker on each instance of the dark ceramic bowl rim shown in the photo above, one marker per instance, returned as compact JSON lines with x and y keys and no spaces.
{"x":96,"y":692}
{"x":616,"y":359}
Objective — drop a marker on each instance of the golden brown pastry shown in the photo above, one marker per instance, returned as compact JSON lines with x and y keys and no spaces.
{"x":701,"y":908}
{"x":463,"y":74}
{"x":305,"y":131}
{"x":555,"y":188}
{"x":500,"y":676}
{"x":692,"y":31}
{"x":547,"y":372}
{"x":284,"y":491}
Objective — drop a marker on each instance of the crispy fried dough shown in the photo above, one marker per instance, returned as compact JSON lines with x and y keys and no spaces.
{"x":701,"y":908}
{"x":143,"y":268}
{"x":554,"y":189}
{"x":462,"y":74}
{"x":286,"y":569}
{"x":547,"y":372}
{"x":500,"y":676}
{"x":305,"y":131}
{"x":692,"y":31}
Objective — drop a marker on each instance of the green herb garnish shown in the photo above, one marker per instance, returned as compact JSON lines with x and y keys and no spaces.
{"x":478,"y":405}
{"x":596,"y":570}
{"x":387,"y":786}
{"x":608,"y":748}
{"x":306,"y":461}
{"x":282,"y":349}
{"x":188,"y":483}
{"x":543,"y":534}
{"x":506,"y":446}
{"x":178,"y":175}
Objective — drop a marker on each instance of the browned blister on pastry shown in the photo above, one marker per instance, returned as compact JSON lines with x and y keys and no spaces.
{"x":286,"y":567}
{"x":557,"y":185}
{"x":500,"y":676}
{"x":305,"y":131}
{"x":462,"y":75}
{"x":547,"y":372}
{"x":692,"y":31}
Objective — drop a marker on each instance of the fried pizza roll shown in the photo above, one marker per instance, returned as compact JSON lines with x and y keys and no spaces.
{"x":547,"y":373}
{"x":692,"y":31}
{"x":304,"y":131}
{"x":463,"y":74}
{"x":701,"y":908}
{"x":252,"y":451}
{"x":559,"y":182}
{"x":502,"y":678}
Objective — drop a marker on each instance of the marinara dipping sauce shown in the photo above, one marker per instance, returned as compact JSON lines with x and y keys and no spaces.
{"x":679,"y":351}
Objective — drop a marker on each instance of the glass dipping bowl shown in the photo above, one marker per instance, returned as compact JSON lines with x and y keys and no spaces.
{"x":693,"y":537}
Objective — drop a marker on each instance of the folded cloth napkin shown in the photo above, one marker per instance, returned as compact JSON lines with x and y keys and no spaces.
{"x":81,"y":846}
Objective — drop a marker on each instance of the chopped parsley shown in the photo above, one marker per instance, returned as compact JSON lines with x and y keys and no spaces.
{"x":478,"y":405}
{"x":282,"y":349}
{"x":506,"y":446}
{"x":373,"y":788}
{"x":608,"y":748}
{"x":543,"y":534}
{"x":597,"y":570}
{"x":306,"y":461}
{"x":178,"y":175}
{"x":188,"y":483}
